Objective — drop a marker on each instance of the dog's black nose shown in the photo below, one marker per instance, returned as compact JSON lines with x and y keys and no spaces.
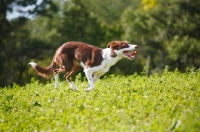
{"x":136,"y":47}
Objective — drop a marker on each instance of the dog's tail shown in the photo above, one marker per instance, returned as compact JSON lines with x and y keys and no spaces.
{"x":44,"y":72}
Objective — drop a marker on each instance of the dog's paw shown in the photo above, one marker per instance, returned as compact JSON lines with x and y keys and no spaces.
{"x":56,"y":86}
{"x":76,"y":90}
{"x":89,"y":89}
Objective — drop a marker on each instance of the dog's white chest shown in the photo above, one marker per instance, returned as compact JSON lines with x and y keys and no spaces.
{"x":107,"y":62}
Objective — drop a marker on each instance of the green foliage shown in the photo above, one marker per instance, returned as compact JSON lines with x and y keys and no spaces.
{"x":168,"y":28}
{"x":162,"y":102}
{"x":166,"y":32}
{"x":15,"y":44}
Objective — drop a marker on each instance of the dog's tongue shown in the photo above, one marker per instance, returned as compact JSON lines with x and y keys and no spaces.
{"x":133,"y":53}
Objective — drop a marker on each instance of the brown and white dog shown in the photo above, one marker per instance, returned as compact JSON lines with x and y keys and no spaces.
{"x":73,"y":56}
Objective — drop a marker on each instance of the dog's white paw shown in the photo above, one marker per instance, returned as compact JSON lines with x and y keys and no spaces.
{"x":88,"y":89}
{"x":76,"y":90}
{"x":56,"y":86}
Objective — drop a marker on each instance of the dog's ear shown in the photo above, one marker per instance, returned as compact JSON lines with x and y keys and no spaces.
{"x":109,"y":44}
{"x":113,"y":47}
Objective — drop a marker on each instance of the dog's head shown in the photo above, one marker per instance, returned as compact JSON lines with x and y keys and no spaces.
{"x":122,"y":48}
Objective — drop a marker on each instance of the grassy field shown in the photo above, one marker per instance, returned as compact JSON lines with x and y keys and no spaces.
{"x":159,"y":103}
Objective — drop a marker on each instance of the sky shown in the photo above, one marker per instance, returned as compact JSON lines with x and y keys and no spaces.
{"x":15,"y":13}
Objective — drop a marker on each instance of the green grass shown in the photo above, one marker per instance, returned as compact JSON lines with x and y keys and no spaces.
{"x":166,"y":102}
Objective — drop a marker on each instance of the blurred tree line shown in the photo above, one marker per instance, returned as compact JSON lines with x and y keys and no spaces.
{"x":167,"y":33}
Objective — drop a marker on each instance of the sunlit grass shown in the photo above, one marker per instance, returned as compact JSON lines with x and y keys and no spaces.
{"x":166,"y":102}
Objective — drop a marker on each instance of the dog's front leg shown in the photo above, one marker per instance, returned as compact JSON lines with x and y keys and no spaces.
{"x":88,"y":73}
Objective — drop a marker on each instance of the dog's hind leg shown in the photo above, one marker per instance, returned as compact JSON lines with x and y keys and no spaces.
{"x":56,"y":80}
{"x":56,"y":73}
{"x":75,"y":68}
{"x":67,"y":77}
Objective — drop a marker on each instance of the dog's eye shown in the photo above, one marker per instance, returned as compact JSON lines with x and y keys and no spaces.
{"x":125,"y":45}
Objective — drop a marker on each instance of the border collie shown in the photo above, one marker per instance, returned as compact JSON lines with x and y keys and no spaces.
{"x":71,"y":57}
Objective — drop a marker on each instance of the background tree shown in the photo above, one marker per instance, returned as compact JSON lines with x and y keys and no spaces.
{"x":167,"y":32}
{"x":13,"y":37}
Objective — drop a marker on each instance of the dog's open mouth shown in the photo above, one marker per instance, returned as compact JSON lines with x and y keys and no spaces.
{"x":129,"y":54}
